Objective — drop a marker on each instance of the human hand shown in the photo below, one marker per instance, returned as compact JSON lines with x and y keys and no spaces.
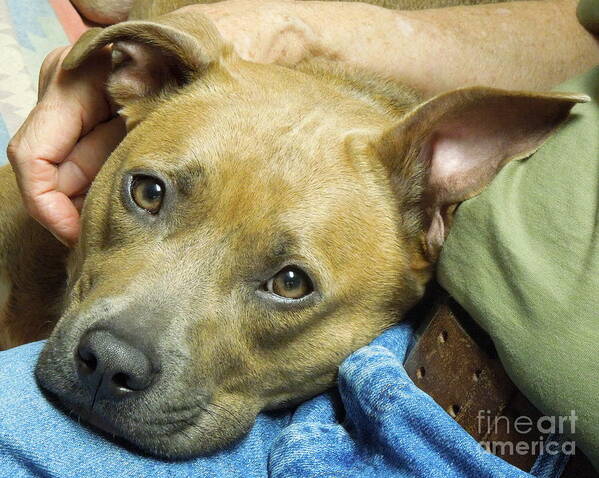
{"x":64,"y":142}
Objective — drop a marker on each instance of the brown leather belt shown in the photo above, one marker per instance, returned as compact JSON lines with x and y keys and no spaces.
{"x":455,"y":362}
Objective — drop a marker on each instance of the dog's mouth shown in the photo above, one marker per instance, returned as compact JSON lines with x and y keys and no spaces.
{"x":126,"y":422}
{"x":170,"y":431}
{"x":165,"y":435}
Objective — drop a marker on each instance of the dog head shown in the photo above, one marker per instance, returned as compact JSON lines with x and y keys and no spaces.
{"x":256,"y":226}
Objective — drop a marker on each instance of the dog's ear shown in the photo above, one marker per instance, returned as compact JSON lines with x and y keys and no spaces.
{"x":450,"y":147}
{"x":151,"y":59}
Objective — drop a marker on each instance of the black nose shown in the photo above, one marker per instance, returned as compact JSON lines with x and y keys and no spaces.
{"x":111,"y":368}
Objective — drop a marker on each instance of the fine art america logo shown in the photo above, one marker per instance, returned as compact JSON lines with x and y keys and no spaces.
{"x":547,"y":434}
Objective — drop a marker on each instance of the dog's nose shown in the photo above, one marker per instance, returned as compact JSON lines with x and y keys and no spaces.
{"x":110,"y":367}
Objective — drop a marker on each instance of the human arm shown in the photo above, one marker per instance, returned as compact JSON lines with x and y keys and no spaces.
{"x":518,"y":45}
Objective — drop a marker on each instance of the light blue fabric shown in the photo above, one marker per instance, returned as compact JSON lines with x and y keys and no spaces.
{"x":377,"y":424}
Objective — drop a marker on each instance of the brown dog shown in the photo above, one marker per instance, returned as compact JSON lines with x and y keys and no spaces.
{"x":256,"y":226}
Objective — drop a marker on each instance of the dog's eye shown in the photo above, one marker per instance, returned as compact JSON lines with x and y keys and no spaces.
{"x":291,"y":283}
{"x":147,"y":192}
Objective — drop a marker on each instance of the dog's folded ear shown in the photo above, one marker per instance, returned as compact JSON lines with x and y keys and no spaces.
{"x":449,"y":148}
{"x":151,"y":59}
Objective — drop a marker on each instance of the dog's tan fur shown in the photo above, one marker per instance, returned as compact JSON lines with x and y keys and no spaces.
{"x":32,"y":271}
{"x":320,"y":166}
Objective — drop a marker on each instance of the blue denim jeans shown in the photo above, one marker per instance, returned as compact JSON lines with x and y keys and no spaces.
{"x":377,"y":423}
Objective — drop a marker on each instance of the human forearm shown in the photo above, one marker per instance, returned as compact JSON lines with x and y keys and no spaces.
{"x":521,"y":45}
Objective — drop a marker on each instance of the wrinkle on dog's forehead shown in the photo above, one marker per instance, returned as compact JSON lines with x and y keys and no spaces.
{"x":257,"y":163}
{"x":292,"y":132}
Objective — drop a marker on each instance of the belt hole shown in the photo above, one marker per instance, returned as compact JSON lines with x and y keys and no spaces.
{"x":442,"y":337}
{"x":420,"y":372}
{"x":454,"y":410}
{"x":476,"y":375}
